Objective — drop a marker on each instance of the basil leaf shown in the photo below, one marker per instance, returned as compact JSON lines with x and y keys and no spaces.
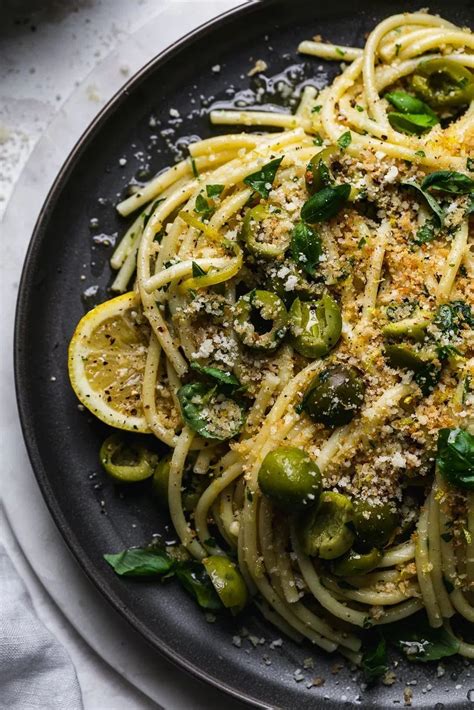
{"x":140,"y":562}
{"x":226,"y":380}
{"x":449,"y":181}
{"x":434,"y":205}
{"x":197,"y":582}
{"x":202,"y":206}
{"x":455,"y":457}
{"x":420,"y":642}
{"x":197,"y":271}
{"x":214,"y":190}
{"x":345,"y":140}
{"x":411,"y":123}
{"x":325,"y":204}
{"x":375,"y":662}
{"x":306,"y":248}
{"x":406,"y":103}
{"x":451,"y":316}
{"x":262,"y":180}
{"x":209,"y":413}
{"x":427,"y":233}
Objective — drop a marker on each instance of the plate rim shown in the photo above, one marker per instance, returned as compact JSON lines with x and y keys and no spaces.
{"x":25,"y":414}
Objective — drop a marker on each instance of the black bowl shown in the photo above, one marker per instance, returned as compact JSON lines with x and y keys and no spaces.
{"x":135,"y":135}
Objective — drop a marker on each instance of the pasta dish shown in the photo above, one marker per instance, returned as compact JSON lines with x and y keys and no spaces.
{"x":294,"y":333}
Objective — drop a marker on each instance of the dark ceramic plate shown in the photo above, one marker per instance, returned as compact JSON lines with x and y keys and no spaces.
{"x":93,"y":515}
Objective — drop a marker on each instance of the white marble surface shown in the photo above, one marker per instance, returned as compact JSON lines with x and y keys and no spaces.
{"x":42,"y":113}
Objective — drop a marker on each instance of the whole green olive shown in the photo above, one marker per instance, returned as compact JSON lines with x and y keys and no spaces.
{"x":335,"y":395}
{"x":290,"y":478}
{"x":354,"y":563}
{"x":227,"y":581}
{"x":325,"y":532}
{"x":374,"y":523}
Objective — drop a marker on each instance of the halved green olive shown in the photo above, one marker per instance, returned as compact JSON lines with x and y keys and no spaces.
{"x":374,"y":523}
{"x":227,"y":581}
{"x":325,"y":532}
{"x":354,"y":563}
{"x":413,"y":328}
{"x":126,"y":462}
{"x":290,"y":478}
{"x":257,"y":240}
{"x":160,"y":480}
{"x":335,"y":395}
{"x":443,"y":83}
{"x":315,"y":326}
{"x":318,"y":172}
{"x":260,"y":320}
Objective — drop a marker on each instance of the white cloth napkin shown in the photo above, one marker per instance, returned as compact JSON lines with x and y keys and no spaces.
{"x":36,"y":672}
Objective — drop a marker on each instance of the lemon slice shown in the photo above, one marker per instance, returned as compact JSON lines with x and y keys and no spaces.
{"x":106,"y":362}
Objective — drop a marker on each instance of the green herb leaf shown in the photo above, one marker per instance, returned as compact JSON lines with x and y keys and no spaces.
{"x":455,"y":457}
{"x":317,"y":108}
{"x":359,"y":108}
{"x":262,"y":180}
{"x":375,"y":662}
{"x":317,"y":139}
{"x":325,"y":204}
{"x":306,"y":248}
{"x":345,"y":140}
{"x":433,"y":204}
{"x":197,"y":582}
{"x":214,"y":190}
{"x":140,"y":562}
{"x":427,"y":233}
{"x":411,"y":123}
{"x":419,"y":641}
{"x":451,"y":316}
{"x":197,"y":271}
{"x":406,"y":103}
{"x":202,"y":206}
{"x":226,"y":380}
{"x":470,"y":164}
{"x":194,"y":167}
{"x":206,"y":411}
{"x":449,"y":181}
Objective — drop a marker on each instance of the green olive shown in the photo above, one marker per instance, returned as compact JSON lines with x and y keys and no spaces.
{"x":443,"y":83}
{"x":335,"y":395}
{"x":260,"y":320}
{"x":326,"y":532}
{"x":318,"y":173}
{"x":290,"y":478}
{"x":160,"y":481}
{"x":374,"y":523}
{"x":227,"y":581}
{"x":354,"y":563}
{"x":255,"y":238}
{"x":315,"y":326}
{"x":126,"y":462}
{"x":413,"y":328}
{"x":301,"y":287}
{"x":421,"y":361}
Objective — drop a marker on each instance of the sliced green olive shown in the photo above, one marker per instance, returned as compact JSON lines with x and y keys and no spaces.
{"x":160,"y":480}
{"x":257,"y":240}
{"x":421,"y":361}
{"x":335,"y":395}
{"x":227,"y":581}
{"x":374,"y":523}
{"x":290,"y":478}
{"x":326,"y":531}
{"x":443,"y":83}
{"x":261,"y":320}
{"x":318,"y":172}
{"x":315,"y":326}
{"x":126,"y":462}
{"x":354,"y":563}
{"x":413,"y":328}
